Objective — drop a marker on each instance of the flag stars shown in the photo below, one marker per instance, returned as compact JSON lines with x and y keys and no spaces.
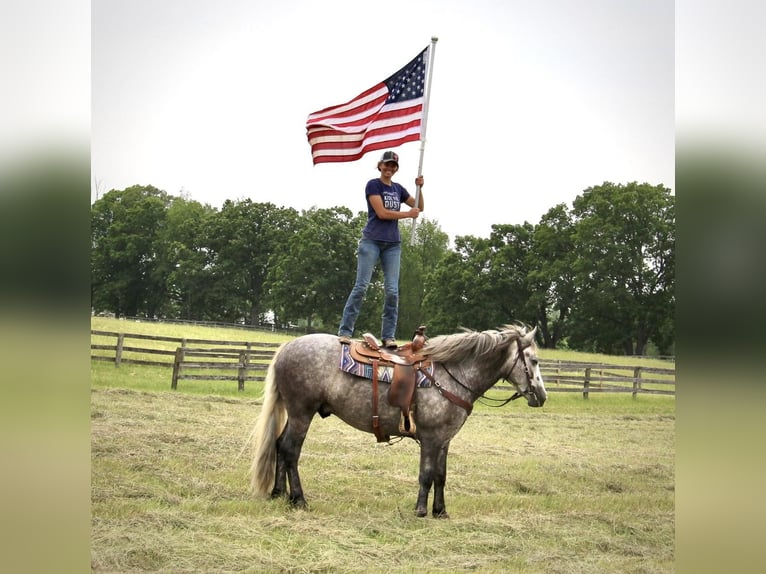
{"x":347,"y":131}
{"x":408,"y":83}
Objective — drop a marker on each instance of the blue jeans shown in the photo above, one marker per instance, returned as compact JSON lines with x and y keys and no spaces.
{"x":368,"y":254}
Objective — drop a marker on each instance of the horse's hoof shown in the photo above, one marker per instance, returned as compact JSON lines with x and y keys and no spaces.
{"x":442,"y":514}
{"x":299,"y":503}
{"x":421,"y":512}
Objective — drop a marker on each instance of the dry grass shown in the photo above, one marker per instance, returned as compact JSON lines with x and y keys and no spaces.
{"x":578,"y":486}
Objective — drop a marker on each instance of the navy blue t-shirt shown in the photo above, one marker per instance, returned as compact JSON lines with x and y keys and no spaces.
{"x":393,"y":196}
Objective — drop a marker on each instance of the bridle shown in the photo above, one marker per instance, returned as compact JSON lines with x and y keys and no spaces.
{"x":527,"y":373}
{"x":502,"y":402}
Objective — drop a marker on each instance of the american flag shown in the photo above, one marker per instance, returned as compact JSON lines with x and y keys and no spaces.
{"x":385,"y":116}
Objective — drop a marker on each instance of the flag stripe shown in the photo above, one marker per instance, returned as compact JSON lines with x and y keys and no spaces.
{"x":388,"y":119}
{"x":375,"y":96}
{"x":364,"y":117}
{"x":386,"y":115}
{"x":340,"y":155}
{"x":347,"y":147}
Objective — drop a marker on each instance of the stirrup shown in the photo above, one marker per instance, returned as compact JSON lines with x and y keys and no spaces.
{"x":407,"y":424}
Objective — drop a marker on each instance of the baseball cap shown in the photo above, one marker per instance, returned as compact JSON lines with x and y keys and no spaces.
{"x":389,"y":156}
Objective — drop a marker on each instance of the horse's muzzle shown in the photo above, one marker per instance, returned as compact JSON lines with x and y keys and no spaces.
{"x":535,"y":398}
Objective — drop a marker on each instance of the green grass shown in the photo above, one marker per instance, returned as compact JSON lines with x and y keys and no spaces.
{"x":577,"y":486}
{"x":182,"y":330}
{"x":158,"y":379}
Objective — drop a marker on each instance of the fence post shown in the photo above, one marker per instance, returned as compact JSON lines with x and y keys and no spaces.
{"x":586,"y":383}
{"x":177,"y":367}
{"x":118,"y":353}
{"x":242,"y":373}
{"x":636,"y":381}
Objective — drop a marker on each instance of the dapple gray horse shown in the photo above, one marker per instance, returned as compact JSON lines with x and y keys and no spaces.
{"x":304,"y":379}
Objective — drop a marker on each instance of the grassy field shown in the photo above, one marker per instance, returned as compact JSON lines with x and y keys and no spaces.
{"x":577,"y":486}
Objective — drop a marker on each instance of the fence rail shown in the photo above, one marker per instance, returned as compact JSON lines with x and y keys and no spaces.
{"x":574,"y":376}
{"x":219,"y":365}
{"x":241,"y":361}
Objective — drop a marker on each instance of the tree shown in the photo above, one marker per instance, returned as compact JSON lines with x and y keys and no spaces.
{"x":186,"y":260}
{"x":483,"y":283}
{"x":511,"y":260}
{"x":125,"y":229}
{"x":551,"y":275}
{"x":312,"y":272}
{"x":242,"y":239}
{"x":624,"y":245}
{"x":418,"y":260}
{"x":458,"y":291}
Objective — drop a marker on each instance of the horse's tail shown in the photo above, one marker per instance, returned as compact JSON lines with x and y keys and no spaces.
{"x":268,"y":427}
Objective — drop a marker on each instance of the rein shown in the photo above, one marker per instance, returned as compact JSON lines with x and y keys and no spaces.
{"x":453,"y":398}
{"x":482,"y":398}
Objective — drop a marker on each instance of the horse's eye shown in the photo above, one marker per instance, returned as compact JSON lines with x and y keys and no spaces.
{"x":534,"y":362}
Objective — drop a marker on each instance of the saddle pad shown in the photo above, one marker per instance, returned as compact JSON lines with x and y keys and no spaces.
{"x":385,"y":373}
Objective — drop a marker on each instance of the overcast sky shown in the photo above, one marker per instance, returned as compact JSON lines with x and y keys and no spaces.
{"x":531,"y":102}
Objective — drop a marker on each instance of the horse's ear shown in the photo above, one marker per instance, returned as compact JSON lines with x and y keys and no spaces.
{"x":529,"y":338}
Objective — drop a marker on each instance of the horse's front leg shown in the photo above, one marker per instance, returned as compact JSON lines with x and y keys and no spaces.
{"x":440,"y":479}
{"x":431,"y":457}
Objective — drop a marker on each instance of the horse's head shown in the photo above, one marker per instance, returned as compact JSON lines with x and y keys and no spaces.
{"x":524,"y":370}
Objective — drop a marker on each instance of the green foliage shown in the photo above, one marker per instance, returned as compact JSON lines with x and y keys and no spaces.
{"x":511,"y":260}
{"x":417,"y":260}
{"x":312,"y":270}
{"x":242,"y":239}
{"x":186,"y":260}
{"x":624,"y":265}
{"x":126,"y":228}
{"x":597,"y":277}
{"x":457,"y":293}
{"x":552,"y":285}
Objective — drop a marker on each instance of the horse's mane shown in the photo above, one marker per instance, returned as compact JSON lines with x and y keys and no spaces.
{"x":469,"y":343}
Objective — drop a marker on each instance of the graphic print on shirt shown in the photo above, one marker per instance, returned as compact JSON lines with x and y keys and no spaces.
{"x":390,"y":198}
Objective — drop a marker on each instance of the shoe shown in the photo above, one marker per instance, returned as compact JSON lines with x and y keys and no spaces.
{"x":344,"y":339}
{"x":390,"y":343}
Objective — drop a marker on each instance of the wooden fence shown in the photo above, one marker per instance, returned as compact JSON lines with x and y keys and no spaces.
{"x":218,"y":364}
{"x":575,"y":376}
{"x":241,"y":361}
{"x":227,"y":360}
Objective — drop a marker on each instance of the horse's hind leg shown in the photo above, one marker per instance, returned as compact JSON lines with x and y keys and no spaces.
{"x":280,"y":479}
{"x":289,"y":447}
{"x":433,"y":472}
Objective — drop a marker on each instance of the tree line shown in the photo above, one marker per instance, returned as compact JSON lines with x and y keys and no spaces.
{"x":598,"y":276}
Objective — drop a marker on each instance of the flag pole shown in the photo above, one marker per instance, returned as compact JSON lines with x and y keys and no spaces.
{"x":429,"y":74}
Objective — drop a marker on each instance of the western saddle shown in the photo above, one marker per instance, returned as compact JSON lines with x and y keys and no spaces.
{"x":406,"y":360}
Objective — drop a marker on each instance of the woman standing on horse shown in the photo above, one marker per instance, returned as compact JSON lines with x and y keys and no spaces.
{"x":381,"y":241}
